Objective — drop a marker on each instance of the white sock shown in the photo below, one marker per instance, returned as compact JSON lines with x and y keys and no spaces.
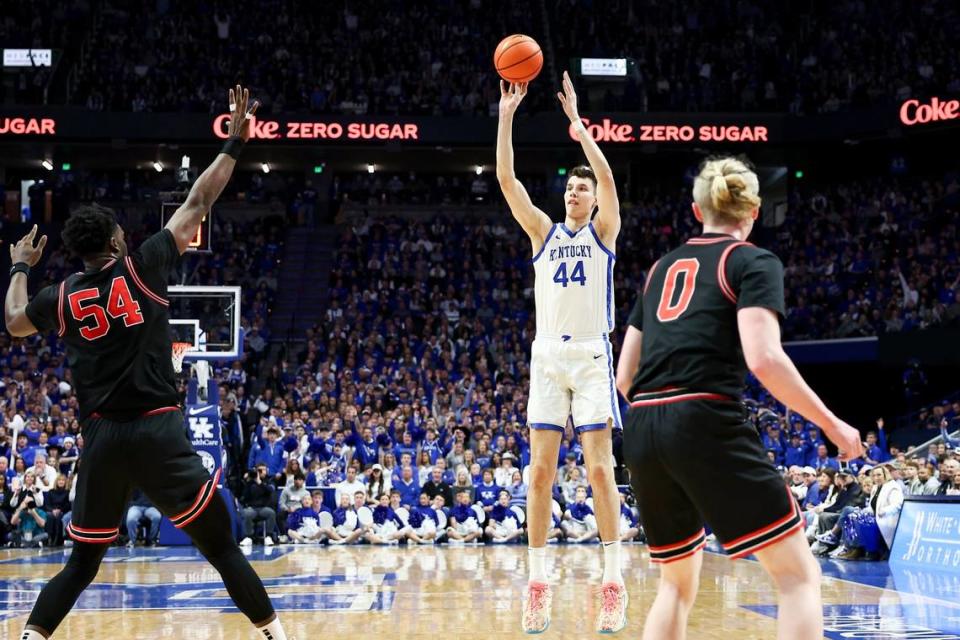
{"x":272,"y":631}
{"x":611,"y":562}
{"x":538,"y":564}
{"x":29,"y":634}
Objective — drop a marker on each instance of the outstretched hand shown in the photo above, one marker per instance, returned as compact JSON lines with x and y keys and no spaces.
{"x":511,"y":95}
{"x":568,"y":98}
{"x":24,"y":251}
{"x":239,"y":114}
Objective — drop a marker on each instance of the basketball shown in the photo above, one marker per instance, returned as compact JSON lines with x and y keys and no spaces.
{"x":518,"y":58}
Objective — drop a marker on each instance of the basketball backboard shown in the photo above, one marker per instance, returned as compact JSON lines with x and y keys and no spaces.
{"x":208,"y":317}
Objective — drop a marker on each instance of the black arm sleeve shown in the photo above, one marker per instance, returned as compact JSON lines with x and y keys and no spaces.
{"x":158,"y":254}
{"x":758,"y":280}
{"x":44,"y":309}
{"x":636,"y":316}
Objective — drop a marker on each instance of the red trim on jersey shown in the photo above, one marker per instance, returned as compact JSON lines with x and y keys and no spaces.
{"x":82,"y":530}
{"x":686,"y":396}
{"x":60,"y":304}
{"x":699,"y":240}
{"x":650,"y":276}
{"x":154,"y":412}
{"x":683,"y":543}
{"x":763,"y":545}
{"x":725,"y":287}
{"x":108,"y":264}
{"x":96,"y":536}
{"x":767,"y":529}
{"x":679,"y":557}
{"x":663,"y":390}
{"x":204,"y":496}
{"x":136,"y":279}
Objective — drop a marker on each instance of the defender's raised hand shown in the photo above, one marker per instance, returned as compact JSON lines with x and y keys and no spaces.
{"x":239,"y":113}
{"x":24,"y":251}
{"x":511,"y":94}
{"x":568,"y":98}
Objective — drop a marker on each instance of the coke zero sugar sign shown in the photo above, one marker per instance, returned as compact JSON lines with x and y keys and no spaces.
{"x":273,"y":130}
{"x":609,"y":131}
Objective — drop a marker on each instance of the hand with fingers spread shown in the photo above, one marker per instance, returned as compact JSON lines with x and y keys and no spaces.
{"x":240,"y":115}
{"x":568,"y":99}
{"x":511,"y":94}
{"x":25,"y":251}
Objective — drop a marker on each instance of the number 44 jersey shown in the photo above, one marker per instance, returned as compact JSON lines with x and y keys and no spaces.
{"x":574,"y":284}
{"x":115,"y":323}
{"x":688,"y":315}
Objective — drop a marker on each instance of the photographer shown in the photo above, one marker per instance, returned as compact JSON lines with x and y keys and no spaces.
{"x":259,"y":501}
{"x":29,"y":519}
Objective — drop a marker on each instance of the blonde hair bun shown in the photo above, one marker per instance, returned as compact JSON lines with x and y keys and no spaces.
{"x":726,"y":190}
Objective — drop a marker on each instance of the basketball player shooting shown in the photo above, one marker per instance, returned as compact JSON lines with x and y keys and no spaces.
{"x":114,"y":320}
{"x":571,"y":369}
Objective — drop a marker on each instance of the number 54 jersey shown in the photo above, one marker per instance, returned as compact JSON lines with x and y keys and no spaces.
{"x":115,"y":323}
{"x":574,"y":284}
{"x":688,"y":315}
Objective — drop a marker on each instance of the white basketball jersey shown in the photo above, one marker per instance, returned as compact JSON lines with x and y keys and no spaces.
{"x":574,"y":284}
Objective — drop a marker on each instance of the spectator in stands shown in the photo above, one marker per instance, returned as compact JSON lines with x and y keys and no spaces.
{"x":463,"y":526}
{"x":911,"y":481}
{"x":303,"y":524}
{"x":5,"y":511}
{"x":345,"y":528}
{"x":44,"y":473}
{"x":463,"y":483}
{"x":629,"y":523}
{"x":378,"y":484}
{"x":876,"y":450}
{"x":949,"y":469}
{"x":574,"y":481}
{"x":579,"y":522}
{"x":29,"y":521}
{"x":291,"y":499}
{"x":503,"y":475}
{"x":351,"y":485}
{"x":436,"y":486}
{"x":504,"y":524}
{"x":408,"y":487}
{"x":518,"y":490}
{"x":823,"y":459}
{"x":27,"y":489}
{"x":928,"y":482}
{"x":954,"y":490}
{"x":270,"y":454}
{"x":57,"y":504}
{"x":258,"y":504}
{"x":140,"y":510}
{"x":487,"y":491}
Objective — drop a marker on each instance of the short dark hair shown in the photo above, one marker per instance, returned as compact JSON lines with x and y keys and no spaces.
{"x":583,"y":171}
{"x":88,"y":230}
{"x":298,"y":476}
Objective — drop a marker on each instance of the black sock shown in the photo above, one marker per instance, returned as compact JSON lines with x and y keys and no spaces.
{"x":60,"y":594}
{"x":212,"y":535}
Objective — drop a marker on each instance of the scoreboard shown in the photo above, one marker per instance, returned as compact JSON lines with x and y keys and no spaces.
{"x":200,"y":242}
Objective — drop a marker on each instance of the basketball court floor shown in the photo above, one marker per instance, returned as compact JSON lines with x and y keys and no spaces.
{"x":452,"y":593}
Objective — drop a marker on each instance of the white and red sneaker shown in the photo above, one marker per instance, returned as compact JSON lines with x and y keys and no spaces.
{"x":613,"y":608}
{"x":536,"y":607}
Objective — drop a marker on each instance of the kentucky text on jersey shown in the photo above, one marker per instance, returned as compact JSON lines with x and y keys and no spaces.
{"x":571,"y":251}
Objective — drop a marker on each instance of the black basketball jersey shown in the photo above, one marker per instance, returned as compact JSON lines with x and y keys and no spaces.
{"x":688,"y":314}
{"x":115,"y":323}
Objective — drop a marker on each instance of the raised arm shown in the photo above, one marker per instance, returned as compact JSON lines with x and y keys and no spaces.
{"x":23,"y":256}
{"x":607,"y":221}
{"x":208,"y":187}
{"x":533,"y":220}
{"x":760,"y":337}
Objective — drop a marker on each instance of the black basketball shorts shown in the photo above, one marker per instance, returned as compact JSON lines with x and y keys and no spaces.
{"x":151,"y":453}
{"x":700,"y":461}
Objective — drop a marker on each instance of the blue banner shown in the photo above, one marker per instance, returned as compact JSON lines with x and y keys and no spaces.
{"x":203,"y":429}
{"x":928,"y":534}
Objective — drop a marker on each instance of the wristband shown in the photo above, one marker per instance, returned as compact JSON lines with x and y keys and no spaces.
{"x":233,"y":146}
{"x":20,"y":267}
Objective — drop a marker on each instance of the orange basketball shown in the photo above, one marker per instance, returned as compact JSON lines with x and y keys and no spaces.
{"x":518,"y":58}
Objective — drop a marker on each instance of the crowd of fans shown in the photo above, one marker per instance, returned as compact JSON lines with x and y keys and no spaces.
{"x":407,"y":403}
{"x":373,"y":58}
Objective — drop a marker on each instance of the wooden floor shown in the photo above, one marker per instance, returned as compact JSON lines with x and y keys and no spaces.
{"x":366,"y":592}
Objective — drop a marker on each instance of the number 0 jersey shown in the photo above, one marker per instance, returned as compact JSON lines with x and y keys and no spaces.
{"x":688,"y":315}
{"x":574,"y":284}
{"x":115,"y":323}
